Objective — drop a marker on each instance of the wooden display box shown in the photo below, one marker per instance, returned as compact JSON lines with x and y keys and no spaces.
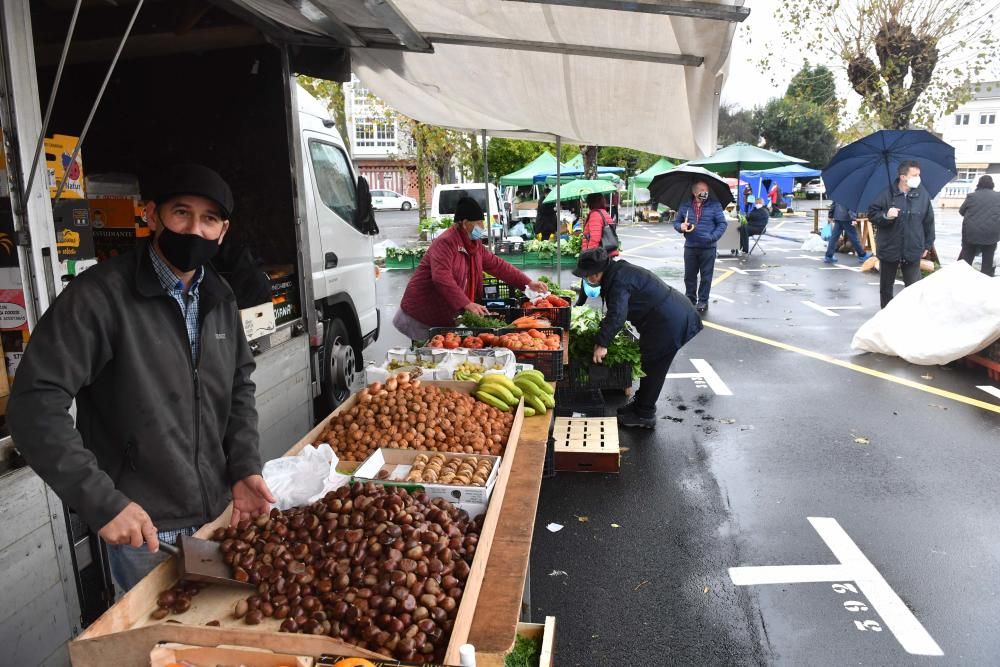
{"x":586,"y":445}
{"x":125,"y":634}
{"x":547,"y":633}
{"x":165,"y":655}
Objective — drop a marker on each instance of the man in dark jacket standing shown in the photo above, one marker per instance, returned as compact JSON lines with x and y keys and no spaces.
{"x":981,"y":224}
{"x":702,"y":222}
{"x":904,"y":228}
{"x":665,"y":321}
{"x":151,"y":347}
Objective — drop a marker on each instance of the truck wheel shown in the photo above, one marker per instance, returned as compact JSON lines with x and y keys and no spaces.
{"x":339,"y":365}
{"x":407,"y":206}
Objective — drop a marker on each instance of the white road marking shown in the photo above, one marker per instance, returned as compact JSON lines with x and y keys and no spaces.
{"x":777,"y":287}
{"x":722,"y":298}
{"x":828,"y":310}
{"x":856,"y":269}
{"x":815,"y":259}
{"x":711,"y":377}
{"x":853,"y":566}
{"x":705,"y":375}
{"x":992,"y":391}
{"x":746,"y":272}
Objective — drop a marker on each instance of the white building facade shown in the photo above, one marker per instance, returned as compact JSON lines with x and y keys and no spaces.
{"x":974,"y":130}
{"x":380,"y":144}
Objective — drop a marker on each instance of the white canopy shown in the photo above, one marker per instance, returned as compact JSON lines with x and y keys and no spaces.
{"x":615,"y":77}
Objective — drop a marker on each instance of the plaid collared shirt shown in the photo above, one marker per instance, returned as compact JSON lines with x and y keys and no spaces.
{"x":189,"y":303}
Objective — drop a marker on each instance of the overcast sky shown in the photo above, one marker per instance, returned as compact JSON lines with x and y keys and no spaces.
{"x":748,"y":85}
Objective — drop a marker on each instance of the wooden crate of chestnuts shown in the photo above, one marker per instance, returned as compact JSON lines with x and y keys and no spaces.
{"x":369,"y":571}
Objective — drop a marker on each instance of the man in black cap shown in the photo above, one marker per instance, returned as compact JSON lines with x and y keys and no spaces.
{"x":150,"y":346}
{"x":665,"y":319}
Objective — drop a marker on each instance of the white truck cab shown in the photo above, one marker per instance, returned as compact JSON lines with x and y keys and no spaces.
{"x":446,"y":197}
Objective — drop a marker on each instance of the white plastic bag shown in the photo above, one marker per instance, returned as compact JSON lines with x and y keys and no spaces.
{"x":814,"y":244}
{"x":947,"y":315}
{"x":296,"y":480}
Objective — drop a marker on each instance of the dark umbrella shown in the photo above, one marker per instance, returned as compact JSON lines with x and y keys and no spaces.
{"x":862,"y":170}
{"x":672,"y":188}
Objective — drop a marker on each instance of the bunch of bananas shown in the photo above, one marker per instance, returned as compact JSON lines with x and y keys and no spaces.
{"x":504,"y":394}
{"x":468,"y":372}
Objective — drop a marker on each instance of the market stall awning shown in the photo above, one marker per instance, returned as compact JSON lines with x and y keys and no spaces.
{"x":536,"y":68}
{"x":543,"y":164}
{"x":645,"y":178}
{"x":572,"y":173}
{"x":792,"y":171}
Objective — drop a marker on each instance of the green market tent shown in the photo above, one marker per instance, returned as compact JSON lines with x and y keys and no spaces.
{"x":567,"y":178}
{"x":740,"y":156}
{"x":575,"y":163}
{"x":543,"y":164}
{"x":645,"y":178}
{"x":578,"y":189}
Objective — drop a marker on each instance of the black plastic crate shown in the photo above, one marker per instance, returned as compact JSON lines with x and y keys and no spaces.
{"x":581,"y":376}
{"x":509,"y":248}
{"x":588,"y":402}
{"x":557,"y":317}
{"x":549,"y":362}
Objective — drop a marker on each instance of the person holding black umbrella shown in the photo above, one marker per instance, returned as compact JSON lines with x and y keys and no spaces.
{"x":904,"y":228}
{"x":702,"y":222}
{"x":664,"y":318}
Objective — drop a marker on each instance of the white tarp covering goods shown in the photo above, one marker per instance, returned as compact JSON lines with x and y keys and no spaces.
{"x":669,"y":109}
{"x":951,"y":313}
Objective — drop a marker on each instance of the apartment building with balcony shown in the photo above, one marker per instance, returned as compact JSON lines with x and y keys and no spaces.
{"x":974,"y":130}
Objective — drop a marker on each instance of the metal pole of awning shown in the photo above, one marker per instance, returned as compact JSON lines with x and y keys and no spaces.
{"x":558,"y":210}
{"x":486,"y":190}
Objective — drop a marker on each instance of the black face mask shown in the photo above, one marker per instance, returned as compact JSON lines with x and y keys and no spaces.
{"x":703,"y":196}
{"x":186,"y":251}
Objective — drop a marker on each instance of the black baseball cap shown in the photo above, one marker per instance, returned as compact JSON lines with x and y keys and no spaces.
{"x":591,"y":261}
{"x":194,"y":179}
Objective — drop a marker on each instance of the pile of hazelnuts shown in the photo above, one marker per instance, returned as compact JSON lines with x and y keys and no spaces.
{"x":377,"y":567}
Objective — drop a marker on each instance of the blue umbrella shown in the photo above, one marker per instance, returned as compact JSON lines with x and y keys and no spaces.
{"x":860,"y":171}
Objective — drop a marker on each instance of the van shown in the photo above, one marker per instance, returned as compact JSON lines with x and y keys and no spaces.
{"x":446,"y":198}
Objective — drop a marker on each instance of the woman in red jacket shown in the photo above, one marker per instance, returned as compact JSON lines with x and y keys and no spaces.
{"x":593,"y":230}
{"x":449,"y":278}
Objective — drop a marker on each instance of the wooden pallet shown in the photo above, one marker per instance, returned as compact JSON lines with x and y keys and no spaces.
{"x":586,"y":444}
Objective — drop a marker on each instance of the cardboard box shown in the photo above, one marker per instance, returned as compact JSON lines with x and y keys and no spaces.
{"x":209,"y":656}
{"x":397,"y":462}
{"x":13,"y":314}
{"x":74,"y":235}
{"x":258,"y":321}
{"x":58,"y":151}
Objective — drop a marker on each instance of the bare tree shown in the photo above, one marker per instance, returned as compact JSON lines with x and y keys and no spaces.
{"x":909,"y":60}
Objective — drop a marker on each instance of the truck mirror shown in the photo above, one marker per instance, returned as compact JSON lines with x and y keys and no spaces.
{"x":364,"y":214}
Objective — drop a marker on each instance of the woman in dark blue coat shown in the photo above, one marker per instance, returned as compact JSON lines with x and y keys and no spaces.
{"x":665,"y":319}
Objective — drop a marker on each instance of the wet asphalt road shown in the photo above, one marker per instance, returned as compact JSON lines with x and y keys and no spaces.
{"x":730,"y":480}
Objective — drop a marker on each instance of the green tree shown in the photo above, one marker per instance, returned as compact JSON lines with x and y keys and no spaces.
{"x":909,"y":60}
{"x":631,"y":159}
{"x":737,"y":125}
{"x":332,"y":93}
{"x":509,"y":155}
{"x":798,"y":128}
{"x":817,"y":85}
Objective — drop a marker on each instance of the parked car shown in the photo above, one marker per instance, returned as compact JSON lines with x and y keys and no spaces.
{"x":815,"y":189}
{"x":446,"y":197}
{"x":387,"y":199}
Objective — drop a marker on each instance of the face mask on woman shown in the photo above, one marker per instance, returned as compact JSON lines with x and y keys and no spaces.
{"x":476,"y":233}
{"x":592,"y":291}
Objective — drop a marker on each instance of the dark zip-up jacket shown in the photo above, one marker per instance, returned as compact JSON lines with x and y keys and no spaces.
{"x":663,"y":316}
{"x":908,"y":235}
{"x":151,"y":427}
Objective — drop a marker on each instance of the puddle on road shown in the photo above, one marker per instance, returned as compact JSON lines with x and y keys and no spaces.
{"x":669,"y":273}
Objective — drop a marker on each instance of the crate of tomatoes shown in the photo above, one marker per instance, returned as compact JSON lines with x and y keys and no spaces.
{"x":541,"y":347}
{"x":473,"y":338}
